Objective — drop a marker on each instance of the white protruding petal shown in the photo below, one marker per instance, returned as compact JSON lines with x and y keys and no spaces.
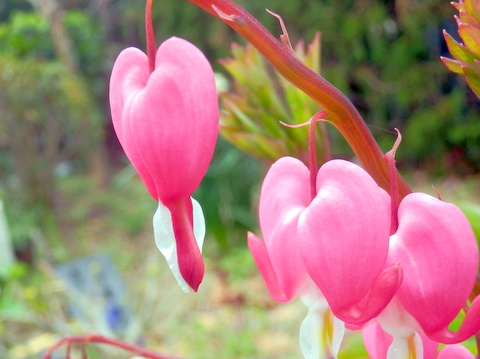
{"x":338,"y":333}
{"x":313,"y":326}
{"x":398,"y":349}
{"x":199,"y":228}
{"x":396,"y":322}
{"x":418,"y":346}
{"x":165,"y":238}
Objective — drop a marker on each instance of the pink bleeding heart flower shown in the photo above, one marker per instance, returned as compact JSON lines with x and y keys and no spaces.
{"x":344,"y":239}
{"x":331,"y":251}
{"x":340,"y":238}
{"x":166,"y":119}
{"x":438,"y":251}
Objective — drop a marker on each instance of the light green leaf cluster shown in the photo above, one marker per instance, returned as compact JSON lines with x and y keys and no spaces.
{"x":261,"y":99}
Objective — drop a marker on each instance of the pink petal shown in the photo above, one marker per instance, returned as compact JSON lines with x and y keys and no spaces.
{"x":129,"y":76}
{"x":344,"y":234}
{"x":262,"y":260}
{"x":285,"y":193}
{"x":171,"y":120}
{"x":376,"y":341}
{"x":455,"y":351}
{"x":438,"y":252}
{"x":190,"y":260}
{"x":379,"y":296}
{"x":175,"y":121}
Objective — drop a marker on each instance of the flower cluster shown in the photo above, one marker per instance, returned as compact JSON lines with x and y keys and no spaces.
{"x":406,"y":270}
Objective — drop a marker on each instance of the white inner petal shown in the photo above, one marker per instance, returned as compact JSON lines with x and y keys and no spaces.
{"x":398,"y":349}
{"x":312,"y":343}
{"x":165,"y":238}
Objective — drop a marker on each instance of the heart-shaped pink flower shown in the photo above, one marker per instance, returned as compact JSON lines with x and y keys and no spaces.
{"x":167,"y":122}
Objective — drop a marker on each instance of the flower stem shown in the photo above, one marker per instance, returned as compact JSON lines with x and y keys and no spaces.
{"x":151,"y":45}
{"x":342,"y":114}
{"x":139,"y":351}
{"x":312,"y":152}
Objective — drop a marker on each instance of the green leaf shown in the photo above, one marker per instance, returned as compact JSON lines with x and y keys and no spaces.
{"x":457,"y":50}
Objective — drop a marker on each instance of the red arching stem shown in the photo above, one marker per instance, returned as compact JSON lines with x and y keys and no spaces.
{"x":139,"y":351}
{"x":151,"y":46}
{"x":342,"y":114}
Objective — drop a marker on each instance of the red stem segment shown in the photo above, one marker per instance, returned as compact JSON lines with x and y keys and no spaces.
{"x":312,"y":152}
{"x":139,"y":351}
{"x":342,"y":114}
{"x":151,"y":45}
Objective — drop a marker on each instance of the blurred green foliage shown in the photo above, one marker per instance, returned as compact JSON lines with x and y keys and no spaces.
{"x":49,"y":118}
{"x":27,"y":36}
{"x":229,"y":194}
{"x":45,"y":122}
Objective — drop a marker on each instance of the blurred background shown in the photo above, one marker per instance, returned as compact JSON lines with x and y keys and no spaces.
{"x":76,"y":244}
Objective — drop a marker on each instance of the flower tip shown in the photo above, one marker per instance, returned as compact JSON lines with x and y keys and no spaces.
{"x":193,"y":275}
{"x":194,"y":283}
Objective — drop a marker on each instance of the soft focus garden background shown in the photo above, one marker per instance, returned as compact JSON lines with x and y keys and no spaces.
{"x":68,"y":192}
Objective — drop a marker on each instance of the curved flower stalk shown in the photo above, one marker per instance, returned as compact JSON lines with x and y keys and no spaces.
{"x":338,"y":241}
{"x":165,"y":113}
{"x":467,"y":55}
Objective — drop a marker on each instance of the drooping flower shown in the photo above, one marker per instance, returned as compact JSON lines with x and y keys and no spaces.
{"x":439,"y":255}
{"x":331,"y":250}
{"x":165,"y":114}
{"x":437,"y":249}
{"x":344,"y":241}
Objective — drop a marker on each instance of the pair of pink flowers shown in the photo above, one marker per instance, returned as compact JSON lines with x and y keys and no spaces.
{"x":413,"y":277}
